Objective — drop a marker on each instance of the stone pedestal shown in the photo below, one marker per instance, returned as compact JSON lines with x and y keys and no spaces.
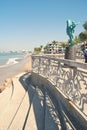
{"x":70,"y":52}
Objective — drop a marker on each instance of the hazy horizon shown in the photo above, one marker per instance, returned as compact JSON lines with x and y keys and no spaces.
{"x":25,"y":24}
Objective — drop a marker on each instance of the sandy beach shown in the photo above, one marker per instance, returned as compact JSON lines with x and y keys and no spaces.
{"x":9,"y":72}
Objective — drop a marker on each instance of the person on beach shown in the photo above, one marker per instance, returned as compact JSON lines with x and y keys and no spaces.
{"x":85,"y":55}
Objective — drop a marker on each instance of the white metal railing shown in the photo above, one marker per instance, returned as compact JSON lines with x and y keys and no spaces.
{"x":67,"y":75}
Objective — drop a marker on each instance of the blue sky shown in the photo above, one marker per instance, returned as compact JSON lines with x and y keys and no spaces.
{"x":25,"y":24}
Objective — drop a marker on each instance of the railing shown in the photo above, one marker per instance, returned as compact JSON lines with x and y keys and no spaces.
{"x":68,"y":76}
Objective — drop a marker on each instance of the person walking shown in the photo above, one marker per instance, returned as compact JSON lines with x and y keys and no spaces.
{"x":85,"y":55}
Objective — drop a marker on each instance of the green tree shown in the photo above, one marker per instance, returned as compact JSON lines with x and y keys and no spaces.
{"x":54,"y":42}
{"x":46,"y":49}
{"x":37,"y":50}
{"x":63,"y":44}
{"x":85,"y":25}
{"x":41,"y":46}
{"x":83,"y":35}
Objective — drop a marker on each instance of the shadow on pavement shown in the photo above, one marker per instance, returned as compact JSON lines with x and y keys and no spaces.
{"x":42,"y":106}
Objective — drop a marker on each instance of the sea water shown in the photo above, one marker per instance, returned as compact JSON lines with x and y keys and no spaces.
{"x":10,"y":57}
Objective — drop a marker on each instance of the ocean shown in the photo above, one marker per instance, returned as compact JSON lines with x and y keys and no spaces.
{"x":8,"y":66}
{"x":8,"y":58}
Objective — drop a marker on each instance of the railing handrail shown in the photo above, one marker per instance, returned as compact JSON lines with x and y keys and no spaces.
{"x":68,"y":62}
{"x":69,"y":76}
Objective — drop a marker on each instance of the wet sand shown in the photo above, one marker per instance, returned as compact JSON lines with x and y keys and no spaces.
{"x":8,"y":72}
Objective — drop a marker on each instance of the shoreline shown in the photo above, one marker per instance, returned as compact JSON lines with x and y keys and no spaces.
{"x":11,"y":61}
{"x":8,"y":72}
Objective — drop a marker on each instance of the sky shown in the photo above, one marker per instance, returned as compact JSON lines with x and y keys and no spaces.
{"x":26,"y":24}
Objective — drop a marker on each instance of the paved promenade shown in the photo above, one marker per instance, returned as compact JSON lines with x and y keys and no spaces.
{"x":22,"y":108}
{"x":25,"y":107}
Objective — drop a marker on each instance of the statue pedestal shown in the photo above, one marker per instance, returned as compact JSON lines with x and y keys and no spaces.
{"x":70,"y":52}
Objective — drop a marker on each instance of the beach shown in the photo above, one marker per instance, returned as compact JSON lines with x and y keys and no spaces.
{"x":10,"y":71}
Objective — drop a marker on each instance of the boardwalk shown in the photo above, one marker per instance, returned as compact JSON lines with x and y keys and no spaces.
{"x":22,"y":107}
{"x":26,"y":107}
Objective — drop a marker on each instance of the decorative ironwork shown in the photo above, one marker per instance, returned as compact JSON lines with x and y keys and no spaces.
{"x":68,"y":76}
